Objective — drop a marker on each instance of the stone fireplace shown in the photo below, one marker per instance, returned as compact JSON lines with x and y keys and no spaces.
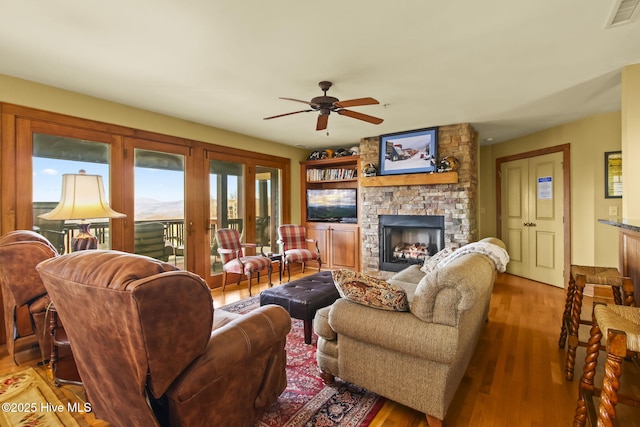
{"x":409,"y":239}
{"x":455,"y":203}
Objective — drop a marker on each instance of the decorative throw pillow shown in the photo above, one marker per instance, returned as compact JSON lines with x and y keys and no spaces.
{"x":370,"y":291}
{"x":431,"y":263}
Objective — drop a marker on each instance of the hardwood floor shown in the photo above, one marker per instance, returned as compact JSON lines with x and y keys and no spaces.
{"x":515,"y":377}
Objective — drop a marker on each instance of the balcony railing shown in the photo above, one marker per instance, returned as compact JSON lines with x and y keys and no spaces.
{"x":174,"y":237}
{"x":173,"y":232}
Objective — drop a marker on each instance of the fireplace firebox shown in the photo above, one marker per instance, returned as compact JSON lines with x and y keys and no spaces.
{"x":409,"y":239}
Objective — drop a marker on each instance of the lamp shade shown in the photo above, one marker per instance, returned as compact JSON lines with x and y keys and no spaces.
{"x":82,"y":198}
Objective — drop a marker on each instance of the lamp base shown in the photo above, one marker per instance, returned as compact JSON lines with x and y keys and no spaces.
{"x":84,"y":239}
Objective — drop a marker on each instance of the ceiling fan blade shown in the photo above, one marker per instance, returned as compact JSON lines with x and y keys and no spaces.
{"x":360,"y":116}
{"x":356,"y":102}
{"x":300,"y":100}
{"x":287,"y":114}
{"x":323,"y":119}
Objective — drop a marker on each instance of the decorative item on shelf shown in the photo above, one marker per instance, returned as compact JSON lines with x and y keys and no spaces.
{"x":449,"y":163}
{"x":355,"y":150}
{"x":369,"y":170}
{"x":326,"y":154}
{"x":316,"y":155}
{"x":341,"y":152}
{"x":82,"y":199}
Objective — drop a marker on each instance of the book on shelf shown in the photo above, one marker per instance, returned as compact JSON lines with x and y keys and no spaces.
{"x":331,"y":174}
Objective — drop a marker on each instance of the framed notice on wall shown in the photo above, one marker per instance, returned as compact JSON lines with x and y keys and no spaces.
{"x":612,"y":174}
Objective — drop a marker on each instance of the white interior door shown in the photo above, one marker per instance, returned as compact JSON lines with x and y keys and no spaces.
{"x":532,"y":217}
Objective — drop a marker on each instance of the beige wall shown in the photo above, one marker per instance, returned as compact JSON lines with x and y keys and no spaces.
{"x":592,"y":243}
{"x":29,"y":94}
{"x":630,"y":140}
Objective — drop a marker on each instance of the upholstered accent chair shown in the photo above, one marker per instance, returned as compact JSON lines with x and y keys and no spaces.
{"x":152,"y":351}
{"x":231,"y":251}
{"x":20,"y":252}
{"x":295,"y":246}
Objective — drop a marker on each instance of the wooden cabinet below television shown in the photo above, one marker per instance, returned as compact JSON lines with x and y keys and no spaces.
{"x":339,"y":244}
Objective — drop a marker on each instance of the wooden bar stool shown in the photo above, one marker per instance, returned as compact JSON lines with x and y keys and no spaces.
{"x":621,"y":287}
{"x":621,"y":327}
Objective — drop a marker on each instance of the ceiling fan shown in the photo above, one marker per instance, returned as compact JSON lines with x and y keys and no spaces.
{"x":327,"y":104}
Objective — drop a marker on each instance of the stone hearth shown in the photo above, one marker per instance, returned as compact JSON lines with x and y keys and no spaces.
{"x":456,"y":202}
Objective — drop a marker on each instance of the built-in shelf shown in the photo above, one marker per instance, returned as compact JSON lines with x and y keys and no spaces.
{"x":409,"y":179}
{"x":332,"y":180}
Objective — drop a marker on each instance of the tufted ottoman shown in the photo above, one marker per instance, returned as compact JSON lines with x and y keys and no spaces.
{"x":303,"y":297}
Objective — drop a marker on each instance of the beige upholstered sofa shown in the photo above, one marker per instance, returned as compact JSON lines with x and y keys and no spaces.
{"x":416,"y":357}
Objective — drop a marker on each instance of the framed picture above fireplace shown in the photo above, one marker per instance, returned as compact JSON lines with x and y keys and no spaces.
{"x":414,"y":151}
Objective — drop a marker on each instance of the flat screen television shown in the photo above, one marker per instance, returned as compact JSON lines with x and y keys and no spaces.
{"x":332,"y":205}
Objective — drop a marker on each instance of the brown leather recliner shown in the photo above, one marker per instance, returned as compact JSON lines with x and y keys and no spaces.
{"x":150,"y":349}
{"x":20,"y":252}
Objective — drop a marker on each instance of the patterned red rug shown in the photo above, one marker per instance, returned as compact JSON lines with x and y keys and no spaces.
{"x":307,"y":401}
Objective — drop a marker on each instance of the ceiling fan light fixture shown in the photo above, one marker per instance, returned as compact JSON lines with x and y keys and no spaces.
{"x":326,"y":104}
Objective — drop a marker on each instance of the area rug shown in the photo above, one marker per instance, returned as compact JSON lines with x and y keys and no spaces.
{"x":27,"y":400}
{"x":307,"y":401}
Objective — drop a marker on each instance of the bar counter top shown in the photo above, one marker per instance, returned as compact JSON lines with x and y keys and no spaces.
{"x":624,"y":223}
{"x":629,"y":247}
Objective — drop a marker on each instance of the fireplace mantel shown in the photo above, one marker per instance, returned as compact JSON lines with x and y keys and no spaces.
{"x":409,"y":179}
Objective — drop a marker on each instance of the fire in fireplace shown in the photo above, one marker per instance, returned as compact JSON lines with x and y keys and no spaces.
{"x":409,"y":239}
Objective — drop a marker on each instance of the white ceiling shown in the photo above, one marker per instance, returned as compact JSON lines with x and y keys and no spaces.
{"x":508,"y":67}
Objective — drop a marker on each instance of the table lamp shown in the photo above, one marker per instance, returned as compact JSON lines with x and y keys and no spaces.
{"x":82,"y":199}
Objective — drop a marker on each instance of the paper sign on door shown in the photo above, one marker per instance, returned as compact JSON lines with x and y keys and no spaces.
{"x":545,"y":188}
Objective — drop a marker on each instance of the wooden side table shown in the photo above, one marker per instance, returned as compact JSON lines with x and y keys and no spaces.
{"x":276,"y":258}
{"x":63,"y":365}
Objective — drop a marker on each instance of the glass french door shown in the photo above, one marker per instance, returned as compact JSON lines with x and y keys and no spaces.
{"x":226,"y":204}
{"x":159,"y":226}
{"x":198,"y":186}
{"x":268,"y":207}
{"x":56,"y":155}
{"x":244,"y":194}
{"x":159,"y":205}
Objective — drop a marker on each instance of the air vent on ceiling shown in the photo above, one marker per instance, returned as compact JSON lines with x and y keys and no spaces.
{"x":623,"y":12}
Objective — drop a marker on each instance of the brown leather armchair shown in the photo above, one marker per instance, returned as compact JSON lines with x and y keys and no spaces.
{"x":151,"y":350}
{"x":20,"y":252}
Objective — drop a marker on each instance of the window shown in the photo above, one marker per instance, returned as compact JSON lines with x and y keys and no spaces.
{"x":38,"y":147}
{"x":54,"y":156}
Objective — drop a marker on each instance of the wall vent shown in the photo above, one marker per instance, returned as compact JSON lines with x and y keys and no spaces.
{"x":623,"y":12}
